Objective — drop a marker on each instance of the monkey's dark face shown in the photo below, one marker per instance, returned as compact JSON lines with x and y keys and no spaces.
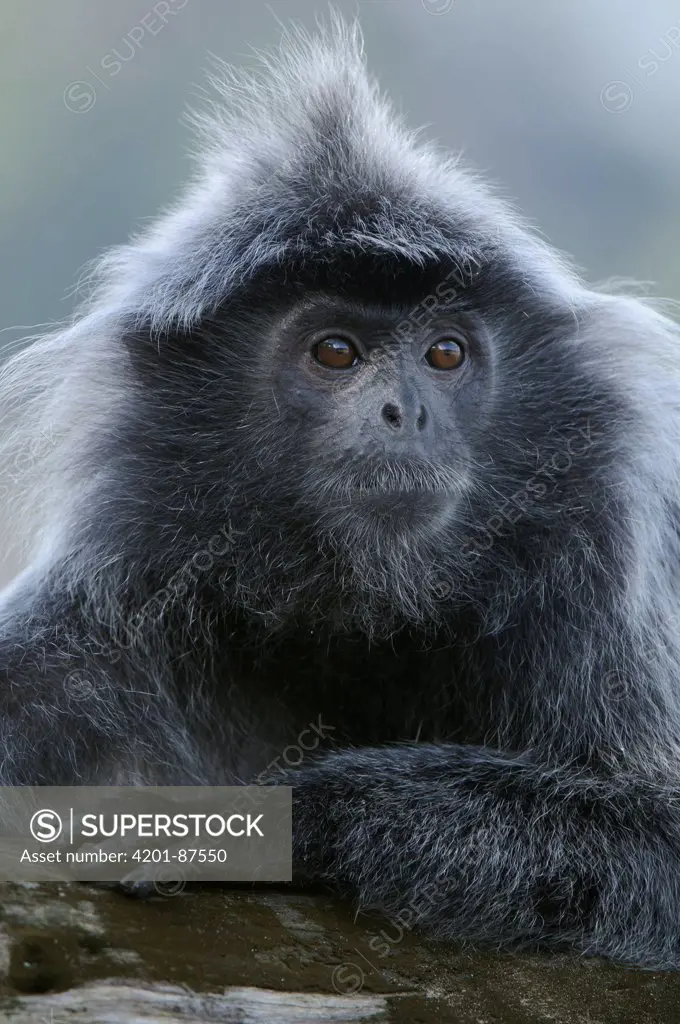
{"x":364,"y":429}
{"x":377,"y":408}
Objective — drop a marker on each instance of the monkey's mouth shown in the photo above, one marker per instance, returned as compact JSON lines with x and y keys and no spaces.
{"x":389,"y":482}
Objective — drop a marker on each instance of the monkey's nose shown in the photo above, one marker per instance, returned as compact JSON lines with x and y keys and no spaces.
{"x":397,"y":419}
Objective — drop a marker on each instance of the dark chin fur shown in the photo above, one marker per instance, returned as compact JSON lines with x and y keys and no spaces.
{"x":357,"y":569}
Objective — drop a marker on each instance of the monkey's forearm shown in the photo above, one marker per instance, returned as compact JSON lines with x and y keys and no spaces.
{"x":76,"y":710}
{"x":468,"y":843}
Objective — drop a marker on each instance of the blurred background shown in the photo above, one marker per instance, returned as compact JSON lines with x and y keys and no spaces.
{"x":571,"y":106}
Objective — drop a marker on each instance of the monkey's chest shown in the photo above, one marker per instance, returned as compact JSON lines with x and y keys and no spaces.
{"x":361,"y":693}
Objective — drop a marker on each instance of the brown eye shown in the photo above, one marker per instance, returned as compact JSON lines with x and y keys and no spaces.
{"x":446,"y":354}
{"x":338,"y":353}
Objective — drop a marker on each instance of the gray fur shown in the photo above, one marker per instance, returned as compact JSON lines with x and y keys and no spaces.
{"x":188,"y":583}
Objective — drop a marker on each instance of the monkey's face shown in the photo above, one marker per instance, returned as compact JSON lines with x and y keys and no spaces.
{"x":376,"y":409}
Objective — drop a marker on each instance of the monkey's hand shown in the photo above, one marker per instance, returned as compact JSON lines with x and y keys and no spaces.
{"x":468,"y":842}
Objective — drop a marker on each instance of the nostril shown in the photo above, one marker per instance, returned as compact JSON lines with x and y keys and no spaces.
{"x":391,"y":415}
{"x":422,"y":418}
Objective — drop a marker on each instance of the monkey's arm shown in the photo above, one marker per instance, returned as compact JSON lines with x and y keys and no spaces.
{"x":466,"y":842}
{"x":76,"y":708}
